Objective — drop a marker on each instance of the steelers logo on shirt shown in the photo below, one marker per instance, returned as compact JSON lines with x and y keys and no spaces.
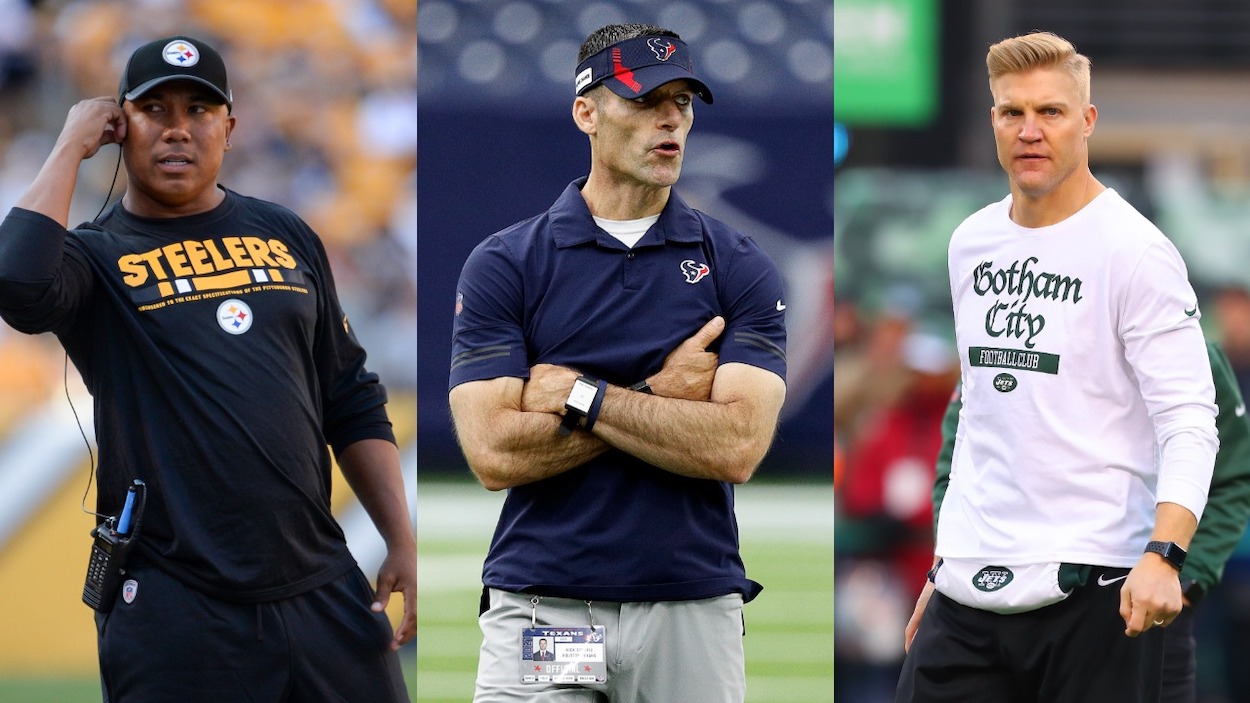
{"x":234,"y":316}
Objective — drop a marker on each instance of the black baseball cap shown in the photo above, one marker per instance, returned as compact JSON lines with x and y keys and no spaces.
{"x":634,"y":67}
{"x":174,"y":58}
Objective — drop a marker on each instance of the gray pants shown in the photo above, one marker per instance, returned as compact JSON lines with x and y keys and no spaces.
{"x":661,"y":651}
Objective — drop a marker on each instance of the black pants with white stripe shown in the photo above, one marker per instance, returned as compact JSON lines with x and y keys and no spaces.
{"x":1074,"y":651}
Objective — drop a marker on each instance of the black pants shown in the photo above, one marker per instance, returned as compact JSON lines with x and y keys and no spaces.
{"x":1180,"y":683}
{"x":172,"y":643}
{"x":1074,"y":651}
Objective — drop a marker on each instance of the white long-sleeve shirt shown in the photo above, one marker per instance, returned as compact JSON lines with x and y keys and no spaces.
{"x":1087,"y":393}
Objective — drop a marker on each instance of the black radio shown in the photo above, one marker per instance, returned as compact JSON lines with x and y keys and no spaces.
{"x":114,"y":539}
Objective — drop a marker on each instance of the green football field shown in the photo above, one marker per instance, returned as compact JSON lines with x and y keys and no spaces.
{"x":787,"y":543}
{"x":86,"y":689}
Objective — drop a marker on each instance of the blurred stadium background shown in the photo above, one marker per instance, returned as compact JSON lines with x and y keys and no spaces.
{"x":915,"y":155}
{"x":325,"y":93}
{"x":499,"y":145}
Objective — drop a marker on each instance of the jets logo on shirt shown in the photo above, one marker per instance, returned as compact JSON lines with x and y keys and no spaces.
{"x":694,"y":271}
{"x":234,"y":316}
{"x":992,"y":578}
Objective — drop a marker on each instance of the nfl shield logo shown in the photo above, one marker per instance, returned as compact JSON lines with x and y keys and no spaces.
{"x":130,"y":589}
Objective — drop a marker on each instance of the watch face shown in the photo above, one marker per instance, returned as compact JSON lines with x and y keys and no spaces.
{"x":582,"y":395}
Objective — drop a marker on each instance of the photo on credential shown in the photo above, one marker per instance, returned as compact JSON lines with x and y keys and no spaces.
{"x":500,"y":144}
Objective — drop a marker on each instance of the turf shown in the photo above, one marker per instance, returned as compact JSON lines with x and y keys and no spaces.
{"x":86,"y":689}
{"x":787,"y":543}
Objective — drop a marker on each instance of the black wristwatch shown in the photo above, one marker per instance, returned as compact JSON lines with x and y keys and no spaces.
{"x":1170,"y":551}
{"x":577,"y":407}
{"x":641,"y":386}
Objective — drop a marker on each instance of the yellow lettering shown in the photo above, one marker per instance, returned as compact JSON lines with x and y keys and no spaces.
{"x":280,"y":254}
{"x":234,"y":247}
{"x":259,"y":251}
{"x":153,"y":259}
{"x":177,"y":260}
{"x":220,"y":263}
{"x":197,"y":257}
{"x":136,"y":272}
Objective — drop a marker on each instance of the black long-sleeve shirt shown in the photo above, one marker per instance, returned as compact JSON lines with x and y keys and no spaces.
{"x":221,"y":365}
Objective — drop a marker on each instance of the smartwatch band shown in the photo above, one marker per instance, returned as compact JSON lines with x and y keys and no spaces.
{"x":601,"y":390}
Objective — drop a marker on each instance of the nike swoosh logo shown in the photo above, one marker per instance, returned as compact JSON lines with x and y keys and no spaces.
{"x":1105,"y":582}
{"x":1240,"y":410}
{"x":1192,"y":311}
{"x":780,"y":307}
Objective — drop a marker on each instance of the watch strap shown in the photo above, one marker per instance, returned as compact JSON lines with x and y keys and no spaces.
{"x":601,"y":390}
{"x":642,"y":387}
{"x":1170,"y":551}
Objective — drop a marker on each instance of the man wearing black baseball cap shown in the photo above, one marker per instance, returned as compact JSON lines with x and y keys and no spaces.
{"x":207,"y":327}
{"x":174,"y":59}
{"x":618,"y":363}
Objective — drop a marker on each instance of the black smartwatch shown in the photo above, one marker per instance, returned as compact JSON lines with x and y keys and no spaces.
{"x":641,"y":386}
{"x":577,"y":407}
{"x":1170,"y":551}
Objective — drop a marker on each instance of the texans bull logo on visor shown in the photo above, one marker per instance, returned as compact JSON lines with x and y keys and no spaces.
{"x":635,"y":67}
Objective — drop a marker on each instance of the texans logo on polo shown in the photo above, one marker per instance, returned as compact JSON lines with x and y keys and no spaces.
{"x":992,"y":578}
{"x":663,"y":48}
{"x":694,"y":271}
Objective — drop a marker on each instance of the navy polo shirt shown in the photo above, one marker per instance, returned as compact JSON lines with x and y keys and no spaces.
{"x":557,"y":289}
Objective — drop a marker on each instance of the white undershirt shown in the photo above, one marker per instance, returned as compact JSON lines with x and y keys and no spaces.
{"x":627,"y":231}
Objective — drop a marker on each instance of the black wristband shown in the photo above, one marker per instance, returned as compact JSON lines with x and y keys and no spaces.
{"x":1170,"y":551}
{"x":596,"y":405}
{"x":642,"y":387}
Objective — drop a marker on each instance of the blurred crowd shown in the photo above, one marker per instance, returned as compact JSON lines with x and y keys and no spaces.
{"x":325,"y":94}
{"x":894,"y":376}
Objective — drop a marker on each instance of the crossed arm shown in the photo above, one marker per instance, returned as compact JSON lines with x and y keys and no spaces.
{"x":703,"y":420}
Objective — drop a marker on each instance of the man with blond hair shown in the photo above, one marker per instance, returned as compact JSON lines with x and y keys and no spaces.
{"x":1087,"y":435}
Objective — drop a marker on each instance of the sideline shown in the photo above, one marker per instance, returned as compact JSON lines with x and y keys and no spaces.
{"x":790,"y":512}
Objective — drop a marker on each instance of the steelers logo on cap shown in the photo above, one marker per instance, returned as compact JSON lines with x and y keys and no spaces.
{"x":181,"y":54}
{"x":234,"y":316}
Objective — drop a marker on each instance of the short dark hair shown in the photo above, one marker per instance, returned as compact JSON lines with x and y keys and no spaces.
{"x":604,"y":37}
